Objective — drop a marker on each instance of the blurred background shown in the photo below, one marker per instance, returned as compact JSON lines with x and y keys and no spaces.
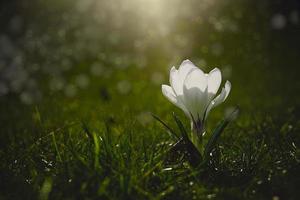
{"x":66,"y":60}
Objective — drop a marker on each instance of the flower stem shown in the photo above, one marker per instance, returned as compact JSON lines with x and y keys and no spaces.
{"x":197,"y":135}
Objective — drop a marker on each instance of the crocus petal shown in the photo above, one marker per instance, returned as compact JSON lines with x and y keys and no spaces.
{"x":185,"y":68}
{"x":196,"y":79}
{"x":220,"y":98}
{"x":175,"y":81}
{"x":169,"y":93}
{"x":214,"y":80}
{"x":227,"y":89}
{"x":195,"y":93}
{"x":177,"y":77}
{"x":171,"y":96}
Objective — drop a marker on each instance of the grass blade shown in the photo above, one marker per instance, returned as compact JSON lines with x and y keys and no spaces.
{"x":86,"y":129}
{"x":166,"y":126}
{"x":218,"y":131}
{"x":55,"y":146}
{"x":194,"y":156}
{"x":181,"y":128}
{"x":96,"y":150}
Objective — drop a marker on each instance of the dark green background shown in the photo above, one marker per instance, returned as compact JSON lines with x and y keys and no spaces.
{"x":97,"y":61}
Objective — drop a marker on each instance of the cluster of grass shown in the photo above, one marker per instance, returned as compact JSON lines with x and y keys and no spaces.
{"x":260,"y":161}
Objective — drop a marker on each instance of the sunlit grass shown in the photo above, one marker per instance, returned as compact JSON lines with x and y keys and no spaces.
{"x":82,"y":161}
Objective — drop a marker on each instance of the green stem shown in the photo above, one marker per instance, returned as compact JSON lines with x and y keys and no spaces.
{"x":197,"y":136}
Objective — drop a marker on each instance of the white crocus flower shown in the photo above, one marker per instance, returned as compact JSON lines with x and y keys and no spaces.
{"x":194,"y":92}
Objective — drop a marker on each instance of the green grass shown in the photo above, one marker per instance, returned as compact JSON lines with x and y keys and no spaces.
{"x":130,"y":162}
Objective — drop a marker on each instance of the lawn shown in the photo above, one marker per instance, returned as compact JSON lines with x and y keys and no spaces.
{"x":81,"y":80}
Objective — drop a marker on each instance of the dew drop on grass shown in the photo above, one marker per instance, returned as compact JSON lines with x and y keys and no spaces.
{"x":210,"y":196}
{"x":265,"y":145}
{"x":167,"y":169}
{"x":28,"y":181}
{"x":50,"y":164}
{"x":45,"y":161}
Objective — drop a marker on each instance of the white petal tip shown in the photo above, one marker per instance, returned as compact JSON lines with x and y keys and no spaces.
{"x":228,"y":85}
{"x":215,"y":69}
{"x":187,"y":62}
{"x":227,"y":88}
{"x":214,"y":80}
{"x":168,"y":92}
{"x":173,"y":68}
